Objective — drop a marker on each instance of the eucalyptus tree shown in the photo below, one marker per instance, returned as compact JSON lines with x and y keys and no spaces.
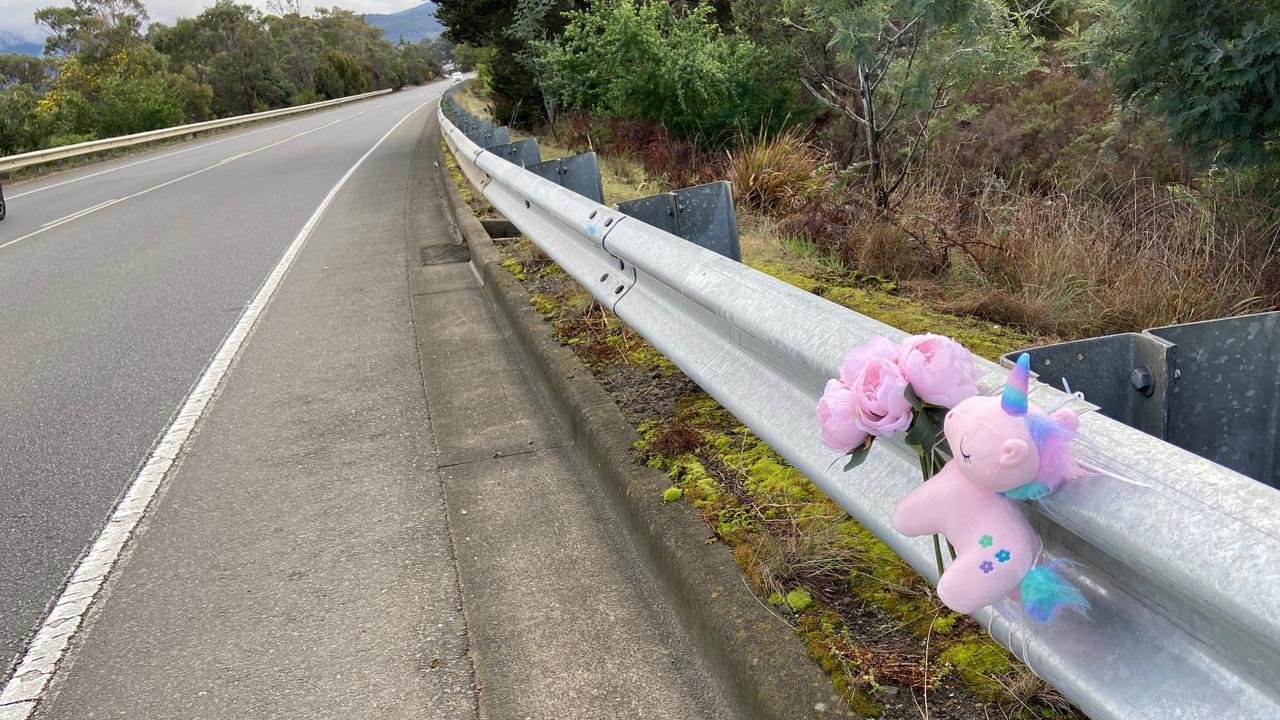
{"x":895,"y":67}
{"x":92,"y":30}
{"x":1210,"y":70}
{"x":229,"y":48}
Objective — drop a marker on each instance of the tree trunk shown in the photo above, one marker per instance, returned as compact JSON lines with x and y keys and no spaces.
{"x":873,"y":137}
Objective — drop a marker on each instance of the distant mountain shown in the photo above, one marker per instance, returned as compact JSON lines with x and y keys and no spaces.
{"x":413,"y":24}
{"x":10,"y":43}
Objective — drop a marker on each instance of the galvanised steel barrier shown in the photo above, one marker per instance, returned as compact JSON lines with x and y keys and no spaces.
{"x":39,"y":157}
{"x":1178,"y":556}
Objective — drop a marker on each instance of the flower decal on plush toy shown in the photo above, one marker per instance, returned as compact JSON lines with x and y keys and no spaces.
{"x":986,"y":567}
{"x":1003,"y":556}
{"x":985,"y":541}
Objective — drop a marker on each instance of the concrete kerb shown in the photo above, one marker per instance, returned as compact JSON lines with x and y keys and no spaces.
{"x":756,"y":656}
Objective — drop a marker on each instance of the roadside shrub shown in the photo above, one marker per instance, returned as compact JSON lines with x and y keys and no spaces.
{"x":775,"y":174}
{"x":1054,"y":131}
{"x":18,"y":130}
{"x":1063,"y":260}
{"x":1077,"y":263}
{"x":674,"y":162}
{"x":340,"y":76}
{"x":127,"y":105}
{"x":653,"y":61}
{"x":128,"y":92}
{"x":824,"y":220}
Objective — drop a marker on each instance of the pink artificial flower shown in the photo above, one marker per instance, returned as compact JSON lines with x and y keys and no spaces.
{"x":880,"y":390}
{"x":940,"y":370}
{"x":837,"y":414}
{"x":857,"y":358}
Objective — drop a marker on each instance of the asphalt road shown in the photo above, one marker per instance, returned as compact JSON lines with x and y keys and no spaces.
{"x":118,"y":282}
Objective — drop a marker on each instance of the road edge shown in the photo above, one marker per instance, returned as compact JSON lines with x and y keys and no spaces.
{"x":755,"y":656}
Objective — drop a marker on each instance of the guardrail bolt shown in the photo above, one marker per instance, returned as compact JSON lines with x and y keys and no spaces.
{"x":1142,"y":380}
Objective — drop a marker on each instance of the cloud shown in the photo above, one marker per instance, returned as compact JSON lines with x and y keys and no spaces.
{"x":16,"y":20}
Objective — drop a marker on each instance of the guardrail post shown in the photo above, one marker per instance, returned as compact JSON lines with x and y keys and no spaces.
{"x":703,"y":215}
{"x":521,"y":152}
{"x":578,"y":173}
{"x":475,"y":127}
{"x":492,"y":136}
{"x":1209,"y":387}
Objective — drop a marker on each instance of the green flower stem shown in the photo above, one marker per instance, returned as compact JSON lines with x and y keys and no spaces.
{"x":922,"y":437}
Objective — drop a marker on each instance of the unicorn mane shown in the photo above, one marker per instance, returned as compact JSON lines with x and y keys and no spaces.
{"x":1053,"y":443}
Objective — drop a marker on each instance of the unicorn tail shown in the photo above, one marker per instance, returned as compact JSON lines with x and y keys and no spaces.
{"x":1044,"y":592}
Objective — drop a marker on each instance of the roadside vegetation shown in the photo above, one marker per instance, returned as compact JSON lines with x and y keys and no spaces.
{"x":1066,"y":168}
{"x":106,"y":72}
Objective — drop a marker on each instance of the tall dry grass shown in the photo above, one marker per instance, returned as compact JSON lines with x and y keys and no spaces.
{"x":776,"y":174}
{"x":1061,"y":263}
{"x":1077,"y":264}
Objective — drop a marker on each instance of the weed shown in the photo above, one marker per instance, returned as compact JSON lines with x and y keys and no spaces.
{"x":775,"y":174}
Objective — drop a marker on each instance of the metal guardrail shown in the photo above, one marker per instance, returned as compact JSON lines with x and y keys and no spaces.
{"x":39,"y":157}
{"x":1180,"y":559}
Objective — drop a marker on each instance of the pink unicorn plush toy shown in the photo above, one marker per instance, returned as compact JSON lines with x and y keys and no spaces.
{"x":1004,"y":450}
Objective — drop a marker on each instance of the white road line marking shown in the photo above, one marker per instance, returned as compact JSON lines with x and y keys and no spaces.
{"x":78,"y":213}
{"x":27,"y":685}
{"x":102,"y":206}
{"x":144,"y":161}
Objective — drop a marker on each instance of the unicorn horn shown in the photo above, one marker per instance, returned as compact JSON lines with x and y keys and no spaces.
{"x":1014,"y":398}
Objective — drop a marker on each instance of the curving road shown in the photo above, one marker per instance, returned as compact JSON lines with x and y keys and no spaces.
{"x":118,"y":282}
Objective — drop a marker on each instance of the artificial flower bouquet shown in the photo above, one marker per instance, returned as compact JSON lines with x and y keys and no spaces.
{"x":886,"y":388}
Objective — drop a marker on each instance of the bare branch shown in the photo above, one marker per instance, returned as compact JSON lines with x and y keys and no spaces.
{"x":888,"y":51}
{"x":788,"y":22}
{"x":893,"y":114}
{"x":831,"y":99}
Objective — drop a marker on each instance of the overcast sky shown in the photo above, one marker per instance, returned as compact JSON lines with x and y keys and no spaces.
{"x":15,"y":15}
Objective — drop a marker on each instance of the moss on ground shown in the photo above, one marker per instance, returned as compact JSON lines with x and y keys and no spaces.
{"x":473,"y":199}
{"x":980,"y":662}
{"x":514,"y":267}
{"x":914,"y":316}
{"x":799,"y":600}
